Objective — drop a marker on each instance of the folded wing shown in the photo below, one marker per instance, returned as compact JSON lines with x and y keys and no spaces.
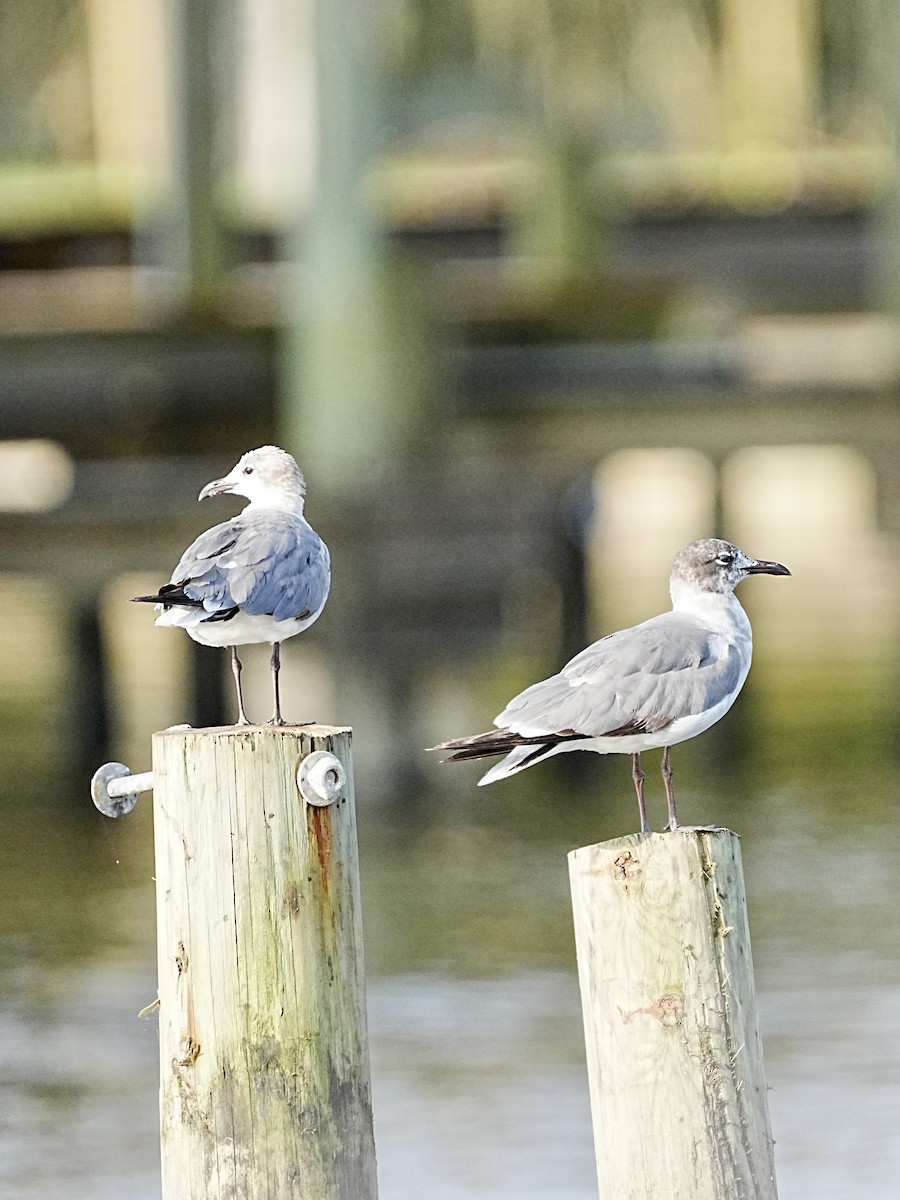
{"x":636,"y":681}
{"x":270,"y":563}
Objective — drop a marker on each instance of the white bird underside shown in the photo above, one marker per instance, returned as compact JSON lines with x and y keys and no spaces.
{"x":240,"y":630}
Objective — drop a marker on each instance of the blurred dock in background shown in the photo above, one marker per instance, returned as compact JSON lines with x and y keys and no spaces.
{"x":513,"y":329}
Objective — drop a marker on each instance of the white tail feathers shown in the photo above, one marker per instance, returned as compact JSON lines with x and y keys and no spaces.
{"x":515,"y":761}
{"x":179,"y":617}
{"x":524,"y":757}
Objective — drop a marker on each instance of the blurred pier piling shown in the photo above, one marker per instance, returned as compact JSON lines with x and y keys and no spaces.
{"x":265,"y":1087}
{"x":678,"y":1093}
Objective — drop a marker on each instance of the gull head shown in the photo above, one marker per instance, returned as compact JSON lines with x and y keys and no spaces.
{"x":269,"y":477}
{"x":713,"y":565}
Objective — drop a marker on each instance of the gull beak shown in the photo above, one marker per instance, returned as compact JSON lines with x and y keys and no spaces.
{"x":217,"y":487}
{"x":762,"y":567}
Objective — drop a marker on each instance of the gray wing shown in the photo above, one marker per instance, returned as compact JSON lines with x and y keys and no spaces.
{"x":273,"y":563}
{"x":639,"y":680}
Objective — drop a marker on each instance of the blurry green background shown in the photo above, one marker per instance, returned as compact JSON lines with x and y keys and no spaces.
{"x":536,"y":291}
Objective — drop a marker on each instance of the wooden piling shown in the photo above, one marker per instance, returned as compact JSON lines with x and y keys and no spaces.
{"x":265,"y":1091}
{"x":675,"y":1067}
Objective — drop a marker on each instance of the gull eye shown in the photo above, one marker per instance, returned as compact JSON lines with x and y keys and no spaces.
{"x":248,"y":470}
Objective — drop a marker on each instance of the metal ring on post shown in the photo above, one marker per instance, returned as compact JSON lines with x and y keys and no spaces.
{"x":114,"y":789}
{"x":321,"y":778}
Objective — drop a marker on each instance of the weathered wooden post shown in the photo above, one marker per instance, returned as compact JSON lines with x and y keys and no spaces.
{"x":264,"y":1091}
{"x":675,"y":1066}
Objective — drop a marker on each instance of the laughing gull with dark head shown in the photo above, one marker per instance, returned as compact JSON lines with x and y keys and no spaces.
{"x":651,"y":686}
{"x":263,"y":576}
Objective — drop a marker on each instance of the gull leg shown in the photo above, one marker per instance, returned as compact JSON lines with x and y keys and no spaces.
{"x":667,"y":783}
{"x":638,"y":776}
{"x":277,"y":718}
{"x":236,"y":669}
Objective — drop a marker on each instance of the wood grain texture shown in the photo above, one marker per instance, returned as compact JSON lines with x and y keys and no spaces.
{"x":265,"y":1091}
{"x":678,"y":1093}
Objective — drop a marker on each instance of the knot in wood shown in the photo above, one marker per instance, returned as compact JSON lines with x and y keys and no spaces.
{"x":669,"y":1009}
{"x":626,"y":868}
{"x":189,"y":1052}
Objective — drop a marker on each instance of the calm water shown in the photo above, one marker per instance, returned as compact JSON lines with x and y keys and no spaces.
{"x":478,"y":1076}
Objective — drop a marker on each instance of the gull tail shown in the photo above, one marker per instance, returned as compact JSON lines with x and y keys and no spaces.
{"x":517,"y":760}
{"x":170,"y":593}
{"x":520,"y":751}
{"x":176,"y":608}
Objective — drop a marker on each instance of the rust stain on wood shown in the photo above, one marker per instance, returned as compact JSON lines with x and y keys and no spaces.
{"x":321,"y":831}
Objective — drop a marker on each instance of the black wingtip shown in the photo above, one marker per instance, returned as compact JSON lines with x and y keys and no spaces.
{"x":482,"y":745}
{"x":461,"y":755}
{"x":172,"y":595}
{"x":501,"y":741}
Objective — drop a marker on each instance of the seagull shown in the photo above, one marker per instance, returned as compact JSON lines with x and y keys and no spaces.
{"x":651,"y":686}
{"x":263,"y":576}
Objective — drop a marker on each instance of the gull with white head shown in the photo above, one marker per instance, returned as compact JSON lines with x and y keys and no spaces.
{"x":644,"y":688}
{"x":263,"y":576}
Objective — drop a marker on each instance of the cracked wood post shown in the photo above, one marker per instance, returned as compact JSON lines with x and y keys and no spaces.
{"x":678,"y":1093}
{"x":264,"y":1090}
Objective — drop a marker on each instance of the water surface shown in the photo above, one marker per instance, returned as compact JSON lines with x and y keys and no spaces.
{"x":479,"y":1083}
